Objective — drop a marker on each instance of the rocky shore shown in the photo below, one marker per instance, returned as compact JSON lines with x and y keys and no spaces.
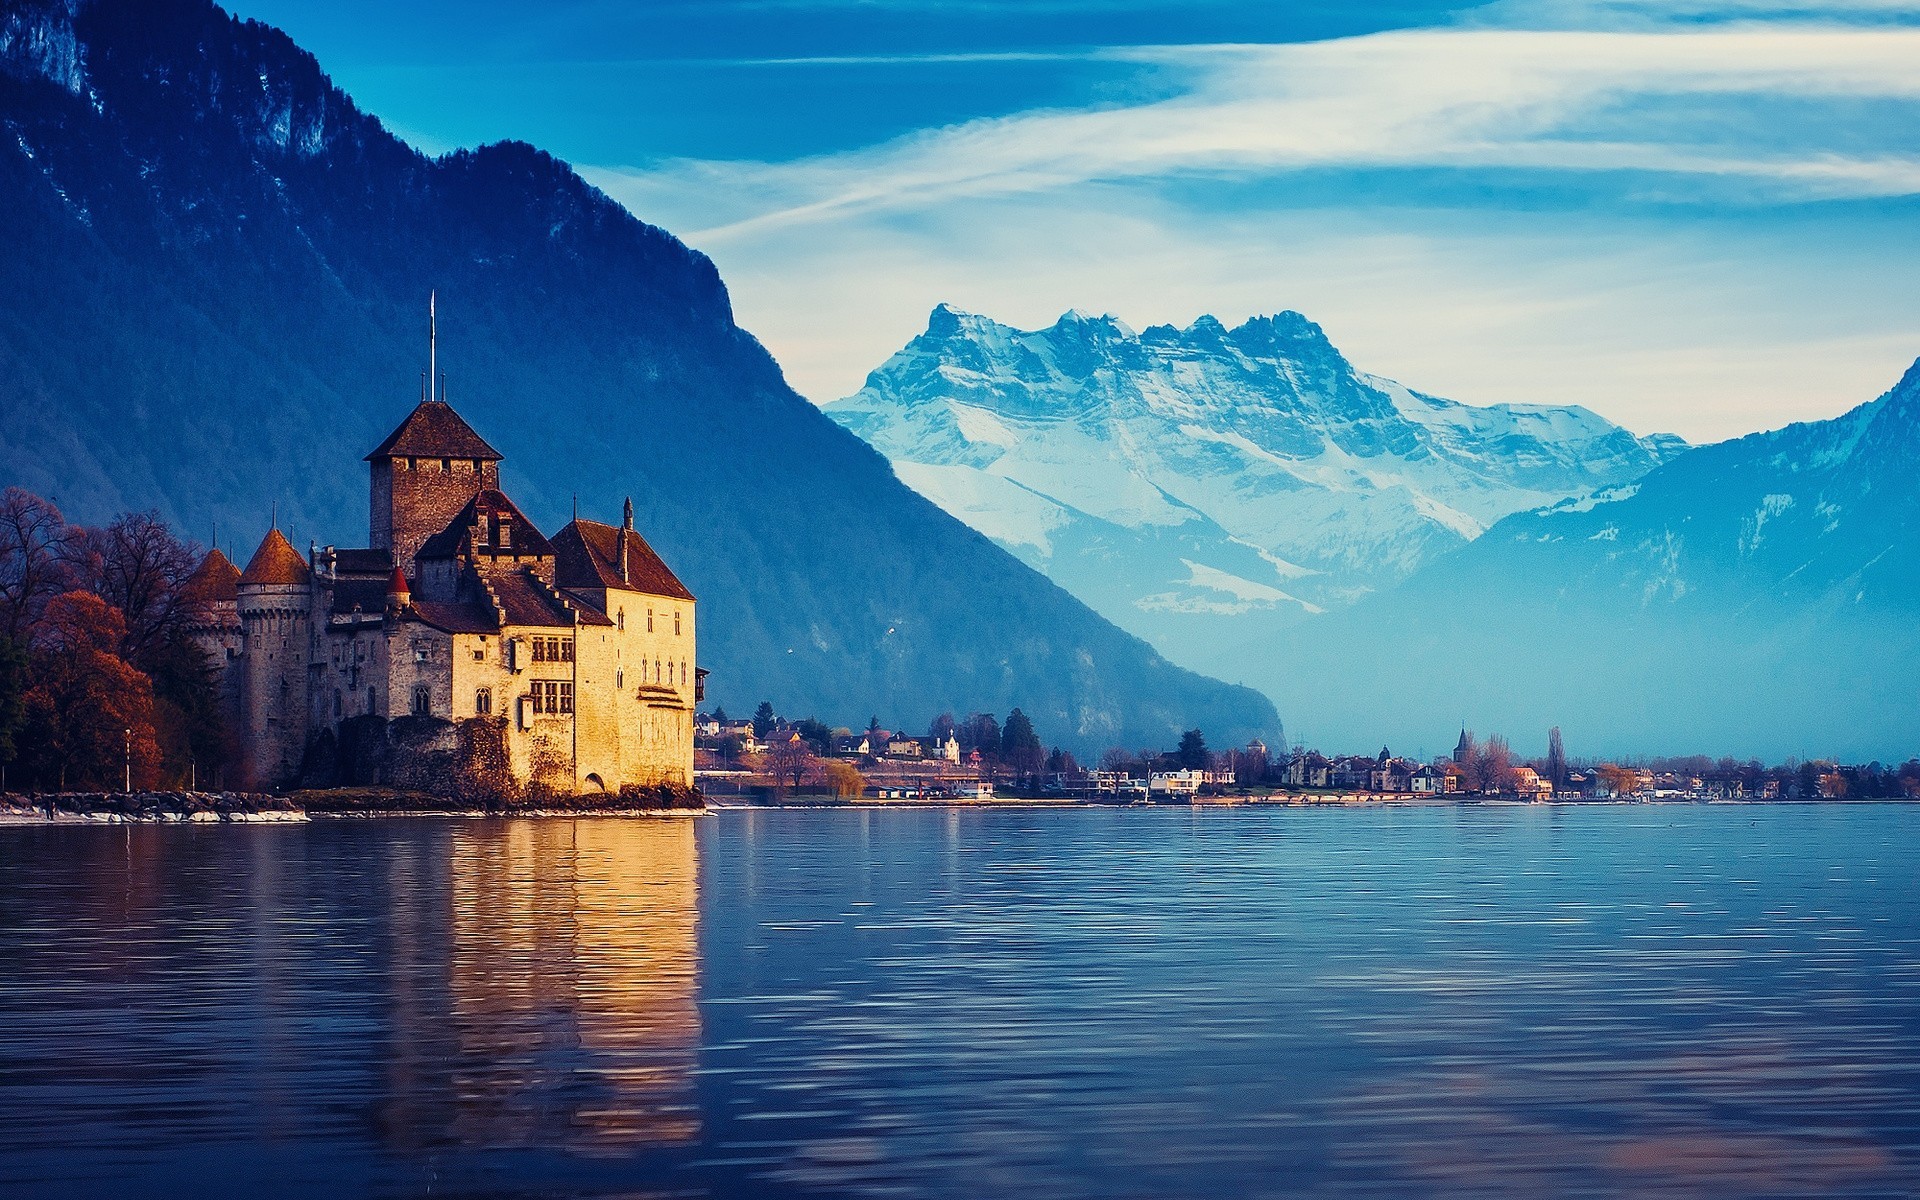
{"x":116,"y":808}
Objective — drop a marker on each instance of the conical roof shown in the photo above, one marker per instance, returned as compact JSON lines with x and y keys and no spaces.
{"x":215,"y":579}
{"x":434,"y":430}
{"x":275,"y":562}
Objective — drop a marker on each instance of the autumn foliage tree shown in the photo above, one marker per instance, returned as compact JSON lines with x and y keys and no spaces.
{"x":89,"y":712}
{"x":95,"y":653}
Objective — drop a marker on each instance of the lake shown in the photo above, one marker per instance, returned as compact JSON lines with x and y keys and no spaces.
{"x":1485,"y":1001}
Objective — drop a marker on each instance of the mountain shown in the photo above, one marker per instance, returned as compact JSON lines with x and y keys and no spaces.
{"x":1204,"y":486}
{"x":1759,"y":597}
{"x":212,"y":300}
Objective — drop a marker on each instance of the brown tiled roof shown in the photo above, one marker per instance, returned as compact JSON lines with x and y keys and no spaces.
{"x":587,"y":555}
{"x":214,"y":580}
{"x":490,"y":509}
{"x":526,"y":600}
{"x":275,"y":562}
{"x":457,"y":618}
{"x":363,"y":562}
{"x":434,"y":430}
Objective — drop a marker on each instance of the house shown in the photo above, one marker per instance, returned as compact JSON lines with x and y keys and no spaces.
{"x":1310,"y":770}
{"x":903,"y":748}
{"x":1528,"y":784}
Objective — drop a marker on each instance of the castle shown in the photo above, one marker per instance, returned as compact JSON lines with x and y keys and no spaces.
{"x":565,"y":661}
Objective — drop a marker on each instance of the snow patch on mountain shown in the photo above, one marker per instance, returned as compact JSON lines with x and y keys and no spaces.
{"x":1176,"y":477}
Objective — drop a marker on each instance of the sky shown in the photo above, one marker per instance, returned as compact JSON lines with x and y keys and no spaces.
{"x":1697,"y":216}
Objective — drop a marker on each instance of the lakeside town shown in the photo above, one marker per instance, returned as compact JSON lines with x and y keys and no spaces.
{"x":122,"y":670}
{"x":981,"y":759}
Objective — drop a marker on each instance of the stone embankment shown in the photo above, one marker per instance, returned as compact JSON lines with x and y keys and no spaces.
{"x":122,"y":807}
{"x":113,"y":808}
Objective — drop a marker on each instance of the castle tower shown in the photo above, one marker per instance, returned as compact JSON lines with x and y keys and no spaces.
{"x":212,"y":601}
{"x":427,"y":469}
{"x":274,"y":597}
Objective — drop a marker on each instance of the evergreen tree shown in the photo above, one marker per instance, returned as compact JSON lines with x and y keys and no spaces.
{"x":720,"y":715}
{"x":763,"y":719}
{"x":13,"y":711}
{"x":1019,"y":745}
{"x":1193,"y":750}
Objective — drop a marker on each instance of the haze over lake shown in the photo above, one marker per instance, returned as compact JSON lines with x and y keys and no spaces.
{"x":1684,"y":1000}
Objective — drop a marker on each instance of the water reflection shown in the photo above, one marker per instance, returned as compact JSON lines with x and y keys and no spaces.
{"x":542,"y":982}
{"x":1689,"y":1002}
{"x":374,"y":1005}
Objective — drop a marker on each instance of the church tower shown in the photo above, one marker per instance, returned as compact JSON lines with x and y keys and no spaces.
{"x":424,"y":473}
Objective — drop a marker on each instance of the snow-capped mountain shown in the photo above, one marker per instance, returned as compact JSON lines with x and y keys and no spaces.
{"x":1195,"y":484}
{"x":1756,"y":597}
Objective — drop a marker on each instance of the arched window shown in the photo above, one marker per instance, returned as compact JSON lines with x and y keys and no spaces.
{"x":656,"y":670}
{"x":422,"y":700}
{"x":483,"y":702}
{"x":620,"y":620}
{"x":676,"y":622}
{"x":683,"y":672}
{"x":649,"y":620}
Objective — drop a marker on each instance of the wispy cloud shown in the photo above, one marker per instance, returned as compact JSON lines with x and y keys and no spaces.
{"x":1631,"y":210}
{"x":1471,"y":99}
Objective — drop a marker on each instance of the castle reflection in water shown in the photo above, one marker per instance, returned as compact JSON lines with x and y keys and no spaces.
{"x":541,"y":980}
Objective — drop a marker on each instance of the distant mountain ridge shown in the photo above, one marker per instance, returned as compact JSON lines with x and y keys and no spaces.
{"x":1756,"y":597}
{"x":212,"y":300}
{"x":1197,"y":485}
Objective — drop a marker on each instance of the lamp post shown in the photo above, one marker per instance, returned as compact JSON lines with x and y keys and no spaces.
{"x":127,"y":786}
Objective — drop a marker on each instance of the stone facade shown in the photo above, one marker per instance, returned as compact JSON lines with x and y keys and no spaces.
{"x":567,"y":663}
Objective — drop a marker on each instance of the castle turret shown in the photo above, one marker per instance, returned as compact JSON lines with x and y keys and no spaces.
{"x":211,"y":598}
{"x":274,"y":596}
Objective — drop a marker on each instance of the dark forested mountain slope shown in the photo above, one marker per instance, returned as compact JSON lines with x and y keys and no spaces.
{"x":212,"y":299}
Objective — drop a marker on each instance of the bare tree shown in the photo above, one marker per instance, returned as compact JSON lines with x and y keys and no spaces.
{"x":1493,"y":765}
{"x":137,"y":565}
{"x":1556,"y":759}
{"x":34,"y":551}
{"x":791,"y":761}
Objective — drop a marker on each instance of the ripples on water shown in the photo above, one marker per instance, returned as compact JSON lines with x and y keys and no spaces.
{"x":1685,"y":1001}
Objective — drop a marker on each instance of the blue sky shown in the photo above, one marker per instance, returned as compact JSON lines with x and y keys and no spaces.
{"x":1690,"y":216}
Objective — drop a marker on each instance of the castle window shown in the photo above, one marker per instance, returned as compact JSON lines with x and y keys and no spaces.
{"x":656,"y":670}
{"x":413,"y":464}
{"x":337,"y":702}
{"x":620,"y":620}
{"x":446,"y":466}
{"x":422,"y":701}
{"x":620,"y":680}
{"x":483,"y":702}
{"x":566,"y":697}
{"x":539,"y":649}
{"x":421,"y":653}
{"x":649,"y":620}
{"x":476,"y":466}
{"x":676,"y":622}
{"x":370,"y":701}
{"x":566,"y":649}
{"x":683,"y":672}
